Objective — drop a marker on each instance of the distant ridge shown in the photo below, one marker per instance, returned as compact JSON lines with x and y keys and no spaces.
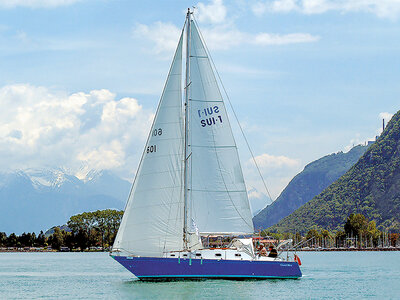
{"x":315,"y":177}
{"x":37,"y":199}
{"x":371,"y":187}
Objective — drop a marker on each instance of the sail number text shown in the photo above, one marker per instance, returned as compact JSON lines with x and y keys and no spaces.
{"x":208,"y":112}
{"x":157,"y":131}
{"x":151,"y":149}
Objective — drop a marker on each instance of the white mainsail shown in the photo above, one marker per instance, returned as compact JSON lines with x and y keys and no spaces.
{"x":217,"y":197}
{"x":153,"y":220}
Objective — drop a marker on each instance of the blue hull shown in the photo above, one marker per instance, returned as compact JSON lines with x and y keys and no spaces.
{"x":153,"y":268}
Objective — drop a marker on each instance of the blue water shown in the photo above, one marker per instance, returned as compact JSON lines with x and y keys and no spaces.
{"x":355,"y":275}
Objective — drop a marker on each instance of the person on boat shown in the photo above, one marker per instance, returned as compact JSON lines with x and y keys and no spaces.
{"x":262,"y":250}
{"x":272,"y":252}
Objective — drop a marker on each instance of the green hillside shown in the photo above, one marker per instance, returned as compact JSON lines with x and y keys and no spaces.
{"x":315,"y":177}
{"x":371,"y":187}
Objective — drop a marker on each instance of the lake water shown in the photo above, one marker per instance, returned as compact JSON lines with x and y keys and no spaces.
{"x":352,"y":275}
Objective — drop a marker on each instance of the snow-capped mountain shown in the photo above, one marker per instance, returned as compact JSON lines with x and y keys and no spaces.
{"x":47,"y":178}
{"x":37,"y":199}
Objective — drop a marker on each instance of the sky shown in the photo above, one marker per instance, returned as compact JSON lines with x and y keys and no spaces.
{"x":80,"y":79}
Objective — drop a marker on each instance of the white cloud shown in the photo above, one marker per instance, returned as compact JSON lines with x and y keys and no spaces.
{"x":267,"y":161}
{"x":317,"y":6}
{"x":36,"y":3}
{"x":22,"y":36}
{"x":258,"y":200}
{"x":219,"y":32}
{"x":165,"y":37}
{"x":358,"y":140}
{"x":277,"y":171}
{"x":95,"y":130}
{"x":215,"y":12}
{"x":277,"y":39}
{"x":224,"y":37}
{"x":255,"y":194}
{"x":260,"y":8}
{"x":241,"y":70}
{"x":381,"y":8}
{"x":104,"y":157}
{"x":386,"y":116}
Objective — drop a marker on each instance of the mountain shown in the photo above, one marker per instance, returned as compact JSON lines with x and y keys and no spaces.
{"x":371,"y":187}
{"x":315,"y":177}
{"x":34,"y":200}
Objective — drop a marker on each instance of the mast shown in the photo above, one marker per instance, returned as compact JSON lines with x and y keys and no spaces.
{"x":187,"y":83}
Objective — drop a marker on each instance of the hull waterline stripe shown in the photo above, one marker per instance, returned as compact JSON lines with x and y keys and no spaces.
{"x":220,"y":276}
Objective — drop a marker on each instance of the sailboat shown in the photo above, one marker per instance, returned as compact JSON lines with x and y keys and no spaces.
{"x":189,"y":185}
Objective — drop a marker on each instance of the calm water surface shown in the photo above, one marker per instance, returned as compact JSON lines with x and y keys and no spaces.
{"x":97,"y":276}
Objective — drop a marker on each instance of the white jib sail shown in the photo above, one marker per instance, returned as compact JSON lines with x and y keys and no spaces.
{"x":153,"y":220}
{"x":218,"y":200}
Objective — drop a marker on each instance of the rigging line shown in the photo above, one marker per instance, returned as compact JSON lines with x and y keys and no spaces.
{"x":234,"y":113}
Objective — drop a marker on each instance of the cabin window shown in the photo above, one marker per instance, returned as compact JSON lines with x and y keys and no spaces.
{"x":184,"y":255}
{"x":238,"y":254}
{"x":218,"y":254}
{"x":198,"y":254}
{"x":172,"y":254}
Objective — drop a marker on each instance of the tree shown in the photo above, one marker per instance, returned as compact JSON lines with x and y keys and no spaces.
{"x":340,"y":237}
{"x":27,"y":239}
{"x":393,"y":239}
{"x":12,"y":240}
{"x":81,"y":239}
{"x":297,"y":238}
{"x":314,"y":235}
{"x":114,"y":218}
{"x":40,"y":240}
{"x":3,"y":239}
{"x":68,"y":239}
{"x":373,"y":233}
{"x":95,"y":228}
{"x":56,"y":240}
{"x":326,"y":235}
{"x":356,"y":225}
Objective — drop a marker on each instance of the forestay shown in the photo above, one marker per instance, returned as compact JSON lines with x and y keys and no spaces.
{"x":217,"y":198}
{"x":153,"y":218}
